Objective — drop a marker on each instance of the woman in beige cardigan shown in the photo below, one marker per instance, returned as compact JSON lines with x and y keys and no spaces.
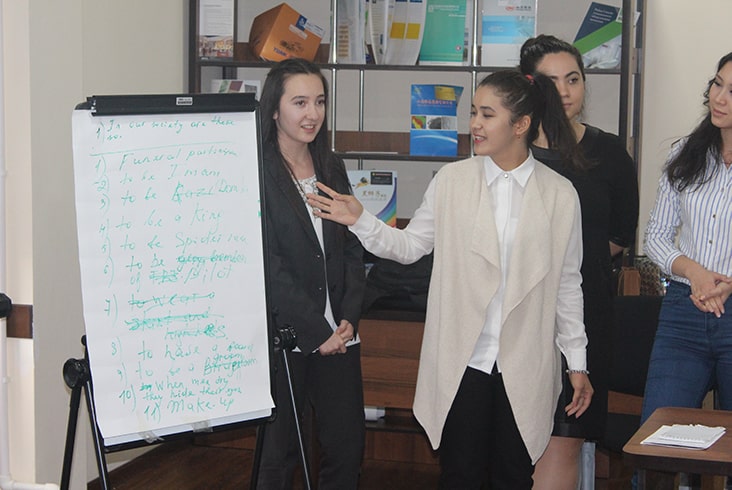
{"x":505,"y":293}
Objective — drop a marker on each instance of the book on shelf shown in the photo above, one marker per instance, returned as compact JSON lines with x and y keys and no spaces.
{"x":689,"y":436}
{"x":404,"y":32}
{"x":351,"y":31}
{"x":377,"y":191}
{"x":505,"y":25}
{"x":216,"y":29}
{"x":447,"y":30}
{"x":380,"y":13}
{"x":226,"y":86}
{"x":433,"y":128}
{"x":599,"y":38}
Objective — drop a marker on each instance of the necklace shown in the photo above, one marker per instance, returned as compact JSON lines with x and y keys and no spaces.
{"x":306,"y":186}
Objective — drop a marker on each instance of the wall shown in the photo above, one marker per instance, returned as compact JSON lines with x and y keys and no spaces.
{"x":18,"y":152}
{"x":18,"y":258}
{"x":683,"y":44}
{"x":80,"y":48}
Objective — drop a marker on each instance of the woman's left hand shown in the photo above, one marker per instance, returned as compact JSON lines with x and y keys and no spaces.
{"x":582,"y":397}
{"x":341,"y":208}
{"x":713,"y":301}
{"x":336,"y":343}
{"x":709,"y":289}
{"x":345,"y":330}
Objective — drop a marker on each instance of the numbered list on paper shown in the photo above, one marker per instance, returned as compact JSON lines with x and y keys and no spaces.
{"x":170,"y":249}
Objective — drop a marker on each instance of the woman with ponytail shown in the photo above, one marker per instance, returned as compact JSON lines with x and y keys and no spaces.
{"x":505,"y":288}
{"x":604,"y":176}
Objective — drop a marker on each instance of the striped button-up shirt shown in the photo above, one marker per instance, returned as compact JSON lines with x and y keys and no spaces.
{"x":695,"y":222}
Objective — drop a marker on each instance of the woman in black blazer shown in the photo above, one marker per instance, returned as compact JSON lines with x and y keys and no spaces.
{"x":317,"y":280}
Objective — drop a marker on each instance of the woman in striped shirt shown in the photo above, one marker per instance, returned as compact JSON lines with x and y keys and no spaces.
{"x":689,"y":235}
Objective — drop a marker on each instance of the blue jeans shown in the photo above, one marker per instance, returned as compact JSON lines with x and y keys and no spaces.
{"x":692,"y":353}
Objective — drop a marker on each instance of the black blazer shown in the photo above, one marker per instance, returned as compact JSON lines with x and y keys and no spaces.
{"x":297,"y":265}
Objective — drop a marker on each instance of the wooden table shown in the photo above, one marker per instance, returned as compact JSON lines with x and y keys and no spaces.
{"x":717,"y":460}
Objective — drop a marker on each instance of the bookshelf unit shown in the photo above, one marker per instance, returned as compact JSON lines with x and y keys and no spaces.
{"x":358,"y":144}
{"x":352,"y":85}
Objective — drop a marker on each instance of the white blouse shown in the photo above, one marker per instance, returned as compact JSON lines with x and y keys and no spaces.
{"x":417,"y":239}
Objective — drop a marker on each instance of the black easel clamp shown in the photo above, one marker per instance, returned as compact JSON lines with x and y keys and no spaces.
{"x":76,"y":372}
{"x":286,"y":339}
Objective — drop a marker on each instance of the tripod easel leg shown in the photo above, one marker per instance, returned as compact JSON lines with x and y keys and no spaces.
{"x":301,"y":444}
{"x":97,"y":437}
{"x":77,"y":376}
{"x":70,"y":436}
{"x":283,"y":342}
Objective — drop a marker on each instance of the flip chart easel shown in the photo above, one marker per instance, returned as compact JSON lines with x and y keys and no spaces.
{"x":172,"y":256}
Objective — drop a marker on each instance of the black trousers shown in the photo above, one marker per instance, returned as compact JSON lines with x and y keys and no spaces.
{"x":332,"y":386}
{"x":481,"y":446}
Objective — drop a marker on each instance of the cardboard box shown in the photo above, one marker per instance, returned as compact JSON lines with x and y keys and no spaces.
{"x":282,"y":32}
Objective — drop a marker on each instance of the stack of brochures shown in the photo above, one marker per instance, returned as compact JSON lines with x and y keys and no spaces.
{"x":402,"y":32}
{"x":693,"y":436}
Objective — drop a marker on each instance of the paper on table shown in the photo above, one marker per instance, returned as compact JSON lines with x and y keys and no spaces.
{"x":692,"y":436}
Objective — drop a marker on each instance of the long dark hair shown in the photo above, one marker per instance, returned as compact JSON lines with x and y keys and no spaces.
{"x":272,"y":91}
{"x":688,"y":167}
{"x":532,"y":52}
{"x":536,"y":96}
{"x":534,"y":49}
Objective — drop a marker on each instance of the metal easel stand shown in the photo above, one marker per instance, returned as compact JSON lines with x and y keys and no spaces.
{"x":285,"y":339}
{"x":77,"y":376}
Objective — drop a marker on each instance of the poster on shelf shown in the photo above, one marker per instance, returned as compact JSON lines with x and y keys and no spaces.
{"x":599,"y":38}
{"x":446,"y":30}
{"x":433,"y":128}
{"x":377,"y":191}
{"x":216,"y":29}
{"x":506,"y":24}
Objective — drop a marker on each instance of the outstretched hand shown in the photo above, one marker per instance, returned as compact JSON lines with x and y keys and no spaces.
{"x":341,"y":208}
